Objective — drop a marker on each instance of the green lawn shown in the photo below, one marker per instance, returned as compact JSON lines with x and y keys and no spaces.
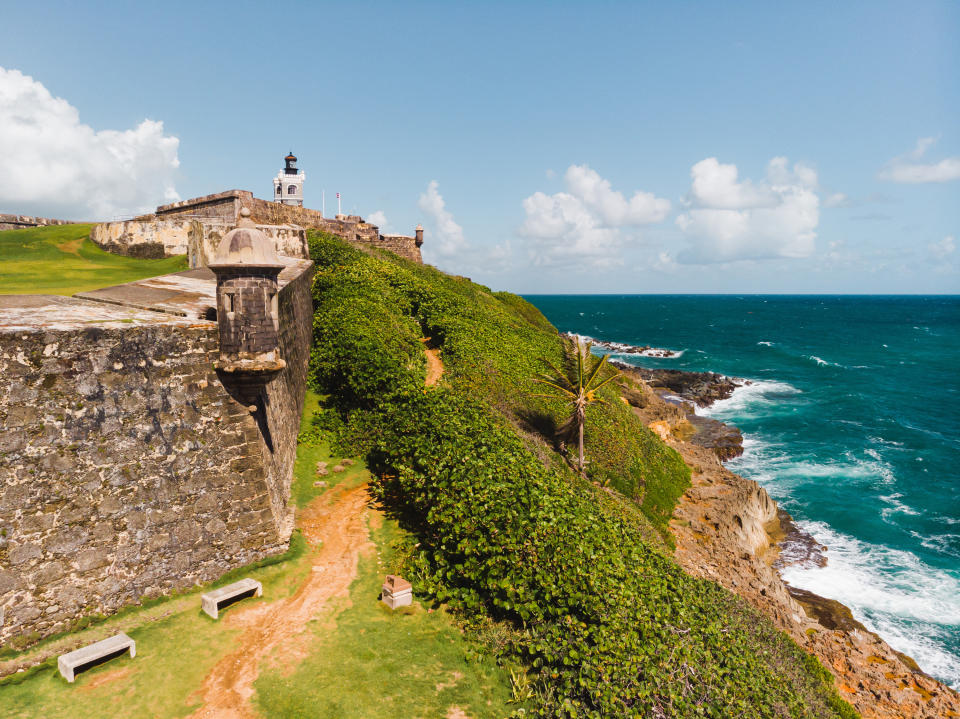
{"x":376,"y":662}
{"x":61,"y":260}
{"x":429,"y":668}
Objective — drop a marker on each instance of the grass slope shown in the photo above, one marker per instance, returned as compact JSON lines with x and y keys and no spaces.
{"x":61,"y":260}
{"x":602,"y":618}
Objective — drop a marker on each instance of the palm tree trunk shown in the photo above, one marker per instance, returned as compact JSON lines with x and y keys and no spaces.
{"x":580,"y":457}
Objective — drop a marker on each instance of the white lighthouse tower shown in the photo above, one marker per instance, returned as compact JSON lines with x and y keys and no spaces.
{"x":288,"y":184}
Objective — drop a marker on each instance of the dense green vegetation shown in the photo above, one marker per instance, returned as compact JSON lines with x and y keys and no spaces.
{"x":605,"y":623}
{"x":61,"y":260}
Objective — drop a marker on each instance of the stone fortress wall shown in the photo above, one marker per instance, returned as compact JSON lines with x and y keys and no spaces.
{"x":130,"y":468}
{"x":18,"y":222}
{"x":194,"y":227}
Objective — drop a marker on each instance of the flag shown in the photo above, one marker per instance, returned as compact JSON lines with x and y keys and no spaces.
{"x":338,"y":195}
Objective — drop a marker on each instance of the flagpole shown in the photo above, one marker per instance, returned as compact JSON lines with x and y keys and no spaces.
{"x":339,"y":211}
{"x":323,"y":203}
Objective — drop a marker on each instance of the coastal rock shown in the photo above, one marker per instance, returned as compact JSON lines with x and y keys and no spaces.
{"x":701,"y":388}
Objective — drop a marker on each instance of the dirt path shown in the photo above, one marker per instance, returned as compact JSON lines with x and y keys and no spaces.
{"x":340,"y":524}
{"x":434,"y":365}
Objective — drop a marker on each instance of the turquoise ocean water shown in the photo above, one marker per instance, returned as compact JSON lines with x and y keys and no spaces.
{"x":852,"y":424}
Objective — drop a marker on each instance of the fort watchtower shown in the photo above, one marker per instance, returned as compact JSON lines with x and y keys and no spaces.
{"x":288,"y":184}
{"x":246,"y":265}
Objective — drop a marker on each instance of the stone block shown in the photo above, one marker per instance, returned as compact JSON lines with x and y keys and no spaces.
{"x":396,"y":592}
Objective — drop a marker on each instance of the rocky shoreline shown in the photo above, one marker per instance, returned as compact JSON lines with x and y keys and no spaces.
{"x":729,"y":530}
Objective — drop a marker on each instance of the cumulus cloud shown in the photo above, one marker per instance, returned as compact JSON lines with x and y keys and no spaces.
{"x":52,"y":164}
{"x":910,"y":168}
{"x":379,"y":218}
{"x":585,"y":223}
{"x":943,"y":249}
{"x":447,"y":236}
{"x":728,"y":219}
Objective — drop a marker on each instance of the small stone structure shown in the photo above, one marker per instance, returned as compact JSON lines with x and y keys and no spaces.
{"x":396,"y":592}
{"x":95,"y":653}
{"x":247,"y":267}
{"x":211,"y":601}
{"x":19,"y":222}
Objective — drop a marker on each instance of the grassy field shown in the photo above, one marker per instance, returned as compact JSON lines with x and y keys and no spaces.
{"x":61,"y":260}
{"x":429,"y":668}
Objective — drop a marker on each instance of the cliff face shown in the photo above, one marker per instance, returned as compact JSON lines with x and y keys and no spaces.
{"x":727,"y":529}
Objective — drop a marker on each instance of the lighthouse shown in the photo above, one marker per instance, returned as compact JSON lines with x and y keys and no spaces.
{"x":288,"y":184}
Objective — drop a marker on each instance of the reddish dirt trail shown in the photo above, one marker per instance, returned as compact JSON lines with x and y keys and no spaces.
{"x":434,"y":364}
{"x":340,"y":524}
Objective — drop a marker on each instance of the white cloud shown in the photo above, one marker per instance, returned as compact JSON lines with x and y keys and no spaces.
{"x":583,"y":224}
{"x":51,"y":164}
{"x":730,"y":220}
{"x":837,"y":199}
{"x":908,"y":168}
{"x":943,"y":249}
{"x":379,"y":218}
{"x":447,"y":234}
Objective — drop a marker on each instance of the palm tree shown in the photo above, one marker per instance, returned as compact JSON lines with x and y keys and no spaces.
{"x":578,"y":386}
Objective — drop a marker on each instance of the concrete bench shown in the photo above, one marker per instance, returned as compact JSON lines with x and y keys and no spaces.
{"x":94,"y":654}
{"x":211,"y":601}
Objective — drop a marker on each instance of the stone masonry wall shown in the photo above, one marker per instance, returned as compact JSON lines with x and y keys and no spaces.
{"x":147,"y":239}
{"x":18,"y":222}
{"x":127,"y":468}
{"x":196,"y":238}
{"x":226,"y":206}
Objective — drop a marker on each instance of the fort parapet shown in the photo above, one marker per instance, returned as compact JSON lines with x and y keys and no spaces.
{"x":194,"y":226}
{"x":19,"y":222}
{"x":130,"y":466}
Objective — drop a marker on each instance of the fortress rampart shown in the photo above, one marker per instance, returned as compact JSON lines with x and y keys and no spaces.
{"x":18,"y":222}
{"x":194,"y":227}
{"x":130,"y":466}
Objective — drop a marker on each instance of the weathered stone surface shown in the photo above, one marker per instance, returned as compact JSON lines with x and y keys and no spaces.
{"x":225,"y":207}
{"x":121,"y":486}
{"x":19,"y":222}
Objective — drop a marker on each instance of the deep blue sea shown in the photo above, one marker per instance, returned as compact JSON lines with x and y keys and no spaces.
{"x":852,"y":424}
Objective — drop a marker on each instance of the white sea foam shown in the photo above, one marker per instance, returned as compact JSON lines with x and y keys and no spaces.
{"x":914,"y":606}
{"x":824,"y":363}
{"x":766,"y":344}
{"x":751,"y":398}
{"x":948,"y":544}
{"x":896,"y":507}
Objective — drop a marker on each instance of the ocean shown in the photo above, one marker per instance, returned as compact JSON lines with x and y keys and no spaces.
{"x":851,"y":422}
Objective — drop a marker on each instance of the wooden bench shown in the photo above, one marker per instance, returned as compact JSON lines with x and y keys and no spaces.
{"x":211,"y":601}
{"x":94,"y":654}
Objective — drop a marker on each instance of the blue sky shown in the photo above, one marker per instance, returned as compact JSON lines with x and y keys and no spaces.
{"x":549,"y":147}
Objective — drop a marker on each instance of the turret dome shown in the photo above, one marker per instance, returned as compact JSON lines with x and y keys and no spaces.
{"x":246,"y":245}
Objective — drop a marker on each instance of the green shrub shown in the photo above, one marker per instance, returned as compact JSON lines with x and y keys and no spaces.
{"x":606,"y":623}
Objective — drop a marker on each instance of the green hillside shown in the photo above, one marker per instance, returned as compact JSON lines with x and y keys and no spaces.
{"x":61,"y":260}
{"x":570,"y":578}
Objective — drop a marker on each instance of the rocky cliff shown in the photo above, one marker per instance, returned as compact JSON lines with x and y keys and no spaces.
{"x":729,"y":530}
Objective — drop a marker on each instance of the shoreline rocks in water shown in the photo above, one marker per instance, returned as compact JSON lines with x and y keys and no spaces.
{"x":622,"y":348}
{"x":695,"y":389}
